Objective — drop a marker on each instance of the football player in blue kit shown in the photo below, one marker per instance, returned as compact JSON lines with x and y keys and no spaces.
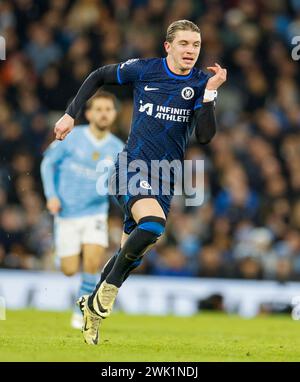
{"x":69,"y":175}
{"x":172,"y":99}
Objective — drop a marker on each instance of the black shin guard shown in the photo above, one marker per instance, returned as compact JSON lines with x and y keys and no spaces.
{"x":148,"y":230}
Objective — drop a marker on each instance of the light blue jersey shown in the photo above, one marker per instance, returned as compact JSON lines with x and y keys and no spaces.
{"x":69,"y":171}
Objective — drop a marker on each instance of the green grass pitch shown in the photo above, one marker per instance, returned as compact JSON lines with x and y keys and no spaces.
{"x":31,"y":335}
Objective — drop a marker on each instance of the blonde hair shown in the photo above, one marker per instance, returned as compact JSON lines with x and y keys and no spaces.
{"x":180,"y":25}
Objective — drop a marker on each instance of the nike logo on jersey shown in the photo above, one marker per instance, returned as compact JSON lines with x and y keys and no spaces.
{"x":147,"y":89}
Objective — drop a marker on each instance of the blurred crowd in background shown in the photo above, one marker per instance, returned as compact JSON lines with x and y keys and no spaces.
{"x":248,"y":226}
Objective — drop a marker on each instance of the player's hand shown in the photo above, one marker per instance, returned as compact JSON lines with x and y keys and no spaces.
{"x":220,"y":76}
{"x":63,"y":127}
{"x":53,"y":205}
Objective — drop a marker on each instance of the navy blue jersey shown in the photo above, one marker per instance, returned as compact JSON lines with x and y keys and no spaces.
{"x":163,"y":106}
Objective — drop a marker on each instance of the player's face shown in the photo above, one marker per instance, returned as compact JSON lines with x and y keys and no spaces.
{"x":102,"y":113}
{"x":184,"y":50}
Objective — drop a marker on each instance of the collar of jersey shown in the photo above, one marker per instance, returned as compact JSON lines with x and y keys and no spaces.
{"x":176,"y":76}
{"x":94,"y":140}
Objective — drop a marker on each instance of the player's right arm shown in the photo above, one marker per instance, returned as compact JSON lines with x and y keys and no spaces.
{"x":204,"y":118}
{"x":52,"y":157}
{"x":116,"y":74}
{"x":106,"y":75}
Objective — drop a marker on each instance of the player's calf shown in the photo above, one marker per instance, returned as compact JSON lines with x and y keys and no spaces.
{"x":147,"y":232}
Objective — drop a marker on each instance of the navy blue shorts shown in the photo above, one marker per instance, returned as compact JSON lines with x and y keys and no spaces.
{"x":127,"y":201}
{"x":126,"y":198}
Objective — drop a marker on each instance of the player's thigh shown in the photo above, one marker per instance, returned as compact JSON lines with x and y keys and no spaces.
{"x":93,"y":257}
{"x":67,"y":236}
{"x":69,"y":265}
{"x":146,"y":207}
{"x":94,"y":241}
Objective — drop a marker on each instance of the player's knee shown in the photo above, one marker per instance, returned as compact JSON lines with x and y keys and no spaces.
{"x":69,"y":270}
{"x":147,"y":232}
{"x":153,"y":225}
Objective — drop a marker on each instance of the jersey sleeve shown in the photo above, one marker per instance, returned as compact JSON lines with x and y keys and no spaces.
{"x":106,"y":75}
{"x":202,"y":85}
{"x":55,"y":153}
{"x":130,"y":71}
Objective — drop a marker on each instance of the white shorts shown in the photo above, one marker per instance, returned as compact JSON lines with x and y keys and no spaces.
{"x":71,"y":233}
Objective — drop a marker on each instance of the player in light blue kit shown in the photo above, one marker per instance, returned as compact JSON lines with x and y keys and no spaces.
{"x":69,"y":178}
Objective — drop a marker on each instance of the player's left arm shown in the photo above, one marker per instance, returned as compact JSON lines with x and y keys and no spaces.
{"x":204,"y":118}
